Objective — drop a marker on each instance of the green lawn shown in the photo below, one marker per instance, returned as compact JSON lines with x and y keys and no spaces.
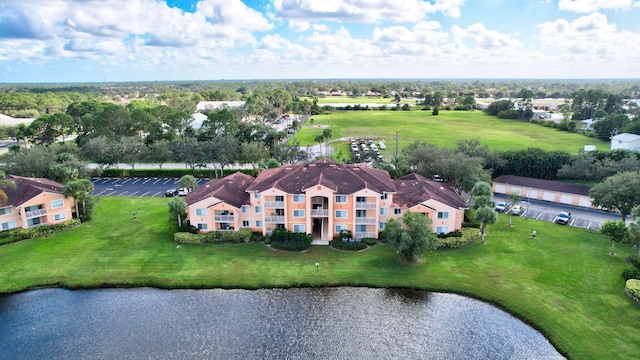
{"x":443,"y":130}
{"x":564,"y":283}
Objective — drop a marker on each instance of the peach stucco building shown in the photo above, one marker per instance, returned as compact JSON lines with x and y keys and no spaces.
{"x":33,"y":202}
{"x":321,"y":198}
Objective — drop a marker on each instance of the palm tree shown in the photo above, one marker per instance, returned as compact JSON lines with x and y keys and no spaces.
{"x":177,"y":209}
{"x":319,"y":139}
{"x":79,"y":190}
{"x":327,"y":134}
{"x":187,"y":181}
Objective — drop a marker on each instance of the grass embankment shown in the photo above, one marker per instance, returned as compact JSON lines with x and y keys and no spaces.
{"x":563,"y":283}
{"x":446,"y":129}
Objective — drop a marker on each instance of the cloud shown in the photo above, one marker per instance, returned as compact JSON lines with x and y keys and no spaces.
{"x":585,"y":6}
{"x":485,"y":38}
{"x":364,"y":11}
{"x":18,"y":23}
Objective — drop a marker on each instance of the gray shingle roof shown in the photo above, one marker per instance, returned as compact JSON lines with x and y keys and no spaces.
{"x":413,"y":189}
{"x":543,"y":184}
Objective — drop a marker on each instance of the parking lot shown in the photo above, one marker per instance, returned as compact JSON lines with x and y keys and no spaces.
{"x":136,"y":186}
{"x":585,"y":218}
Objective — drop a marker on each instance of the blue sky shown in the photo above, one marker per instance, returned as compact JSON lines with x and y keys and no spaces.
{"x":133,"y":40}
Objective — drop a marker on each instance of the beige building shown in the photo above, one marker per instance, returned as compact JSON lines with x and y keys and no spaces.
{"x":33,"y":202}
{"x":321,"y":198}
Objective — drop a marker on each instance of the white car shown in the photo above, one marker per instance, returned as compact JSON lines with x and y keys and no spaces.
{"x":382,"y":145}
{"x":516,"y":210}
{"x":500,"y":207}
{"x":183,"y":192}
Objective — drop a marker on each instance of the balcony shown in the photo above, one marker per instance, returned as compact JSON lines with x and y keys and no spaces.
{"x":274,"y":204}
{"x":365,"y":205}
{"x":35,"y":213}
{"x":320,"y":212}
{"x":365,"y":220}
{"x":274,"y":219}
{"x":223,"y":218}
{"x":360,"y":235}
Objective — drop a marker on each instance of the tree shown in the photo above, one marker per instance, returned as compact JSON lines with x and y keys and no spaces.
{"x":188,"y":182}
{"x":620,"y":191}
{"x":81,"y":191}
{"x":411,"y":238}
{"x":253,"y":153}
{"x":485,"y":215}
{"x":130,"y":149}
{"x":616,"y":231}
{"x":319,"y":139}
{"x":634,"y":227}
{"x":485,"y":212}
{"x":327,"y":134}
{"x":514,"y":199}
{"x":189,"y":151}
{"x":159,"y":152}
{"x":4,"y":183}
{"x":177,"y":210}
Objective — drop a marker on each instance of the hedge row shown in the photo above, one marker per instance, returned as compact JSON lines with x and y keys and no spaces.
{"x":346,"y":245}
{"x":214,"y":237}
{"x":17,"y":234}
{"x":174,"y":173}
{"x":468,"y":236}
{"x":632,"y":288}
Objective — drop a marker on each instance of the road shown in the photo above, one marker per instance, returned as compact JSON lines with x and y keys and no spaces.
{"x":136,"y":186}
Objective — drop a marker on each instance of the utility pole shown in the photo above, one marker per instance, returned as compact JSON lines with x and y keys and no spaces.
{"x":396,"y":144}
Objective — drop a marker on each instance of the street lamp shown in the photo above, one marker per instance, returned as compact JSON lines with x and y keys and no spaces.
{"x":317,"y":267}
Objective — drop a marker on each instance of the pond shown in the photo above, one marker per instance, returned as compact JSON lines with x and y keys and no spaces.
{"x":327,"y":323}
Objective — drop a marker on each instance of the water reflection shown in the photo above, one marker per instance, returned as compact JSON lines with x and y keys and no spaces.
{"x":328,"y":323}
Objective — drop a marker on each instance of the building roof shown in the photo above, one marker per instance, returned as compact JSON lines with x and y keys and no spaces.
{"x":27,"y":188}
{"x":341,"y":178}
{"x":627,"y":137}
{"x":414,"y":189}
{"x":543,"y":184}
{"x":231,"y":189}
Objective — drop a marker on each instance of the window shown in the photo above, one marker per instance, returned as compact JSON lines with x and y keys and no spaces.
{"x":397,"y":211}
{"x":341,"y":214}
{"x":361,"y":213}
{"x":259,"y":223}
{"x":383,"y":211}
{"x":258,"y":209}
{"x":340,"y":228}
{"x":201,"y":212}
{"x":245,"y":209}
{"x":202,"y":226}
{"x":298,"y":198}
{"x":361,"y":228}
{"x":361,"y":199}
{"x":443,"y":215}
{"x":341,"y":199}
{"x":5,"y":210}
{"x":59,"y":217}
{"x":298,"y":213}
{"x":256,"y":195}
{"x":8,"y":225}
{"x":279,"y":198}
{"x":382,"y":224}
{"x":384,"y":196}
{"x":298,"y":228}
{"x":442,"y":230}
{"x":245,"y":223}
{"x":57,"y":203}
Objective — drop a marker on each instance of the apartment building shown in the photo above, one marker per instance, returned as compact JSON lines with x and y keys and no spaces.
{"x":33,"y":202}
{"x":321,"y":198}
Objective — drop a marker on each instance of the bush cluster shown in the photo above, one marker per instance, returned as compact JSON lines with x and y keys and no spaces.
{"x":214,"y":237}
{"x":337,"y":243}
{"x":17,"y":234}
{"x":632,"y":272}
{"x":466,"y":237}
{"x":283,"y":239}
{"x":632,"y":288}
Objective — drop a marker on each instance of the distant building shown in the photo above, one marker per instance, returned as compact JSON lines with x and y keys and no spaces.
{"x":626,"y":141}
{"x":545,"y":190}
{"x":214,"y":105}
{"x":321,"y":198}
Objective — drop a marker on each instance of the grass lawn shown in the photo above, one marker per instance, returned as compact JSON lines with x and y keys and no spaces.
{"x":443,"y":130}
{"x":564,"y":283}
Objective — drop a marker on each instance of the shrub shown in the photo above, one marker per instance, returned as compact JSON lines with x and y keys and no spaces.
{"x":634,"y":261}
{"x":631,"y":273}
{"x":188,"y":238}
{"x":370,"y":241}
{"x":632,"y":288}
{"x":467,"y":236}
{"x":257,"y":236}
{"x":214,"y":237}
{"x":337,"y":243}
{"x":283,"y":239}
{"x":470,"y":224}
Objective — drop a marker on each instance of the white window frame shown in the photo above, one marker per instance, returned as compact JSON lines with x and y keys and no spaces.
{"x":201,"y":212}
{"x":384,"y":196}
{"x":245,"y":209}
{"x":397,"y":211}
{"x":298,"y":198}
{"x":384,"y":211}
{"x":339,"y":228}
{"x":56,"y":201}
{"x":296,"y":228}
{"x":246,"y":223}
{"x":300,"y":213}
{"x":337,"y":199}
{"x":7,"y":210}
{"x":382,"y":225}
{"x":257,"y":209}
{"x":443,"y":215}
{"x":259,"y":223}
{"x":257,"y":195}
{"x":11,"y":224}
{"x":341,"y":211}
{"x":64,"y":217}
{"x":361,"y":226}
{"x":442,"y":230}
{"x":203,"y":226}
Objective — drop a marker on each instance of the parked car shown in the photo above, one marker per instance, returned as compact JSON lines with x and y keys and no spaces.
{"x":171,"y":192}
{"x":501,"y":207}
{"x":382,"y":145}
{"x":516,"y":210}
{"x":183,"y":192}
{"x":563,"y":218}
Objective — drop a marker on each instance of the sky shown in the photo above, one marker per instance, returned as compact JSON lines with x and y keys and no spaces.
{"x":162,"y":40}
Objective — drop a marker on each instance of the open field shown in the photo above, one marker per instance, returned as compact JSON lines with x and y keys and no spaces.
{"x":445,"y":129}
{"x":564,"y":283}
